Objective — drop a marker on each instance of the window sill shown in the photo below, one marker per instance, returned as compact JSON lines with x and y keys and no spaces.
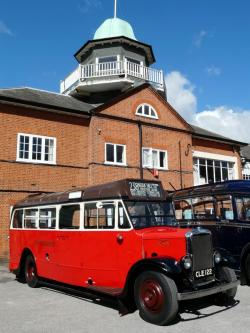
{"x":159,"y":169}
{"x":116,"y":164}
{"x":35,"y":162}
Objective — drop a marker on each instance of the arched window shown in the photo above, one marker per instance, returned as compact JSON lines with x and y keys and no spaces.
{"x":146,"y":110}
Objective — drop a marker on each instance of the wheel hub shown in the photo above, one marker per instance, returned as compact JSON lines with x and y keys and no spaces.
{"x":151,"y":295}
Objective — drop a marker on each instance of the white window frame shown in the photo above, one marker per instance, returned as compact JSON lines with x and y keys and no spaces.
{"x":124,"y":163}
{"x":150,"y":165}
{"x":82,"y":212}
{"x":29,"y":159}
{"x":246,"y":171}
{"x":216,"y":157}
{"x":143,"y":112}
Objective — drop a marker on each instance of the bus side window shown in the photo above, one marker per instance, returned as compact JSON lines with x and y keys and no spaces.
{"x":106,"y":217}
{"x":69,"y":217}
{"x":183,"y":209}
{"x":31,"y":218}
{"x":47,"y":218}
{"x":243,"y":208}
{"x":224,"y":208}
{"x":18,"y":219}
{"x":99,"y":218}
{"x":203,"y":208}
{"x":123,"y":222}
{"x":90,"y":216}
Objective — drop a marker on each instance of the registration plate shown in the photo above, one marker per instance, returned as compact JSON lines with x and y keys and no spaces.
{"x":203,"y":273}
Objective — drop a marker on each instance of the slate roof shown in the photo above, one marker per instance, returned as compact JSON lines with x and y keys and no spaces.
{"x":201,"y":132}
{"x":245,"y":152}
{"x":42,"y":98}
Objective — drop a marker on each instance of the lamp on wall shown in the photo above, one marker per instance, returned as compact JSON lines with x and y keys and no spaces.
{"x":188,"y":148}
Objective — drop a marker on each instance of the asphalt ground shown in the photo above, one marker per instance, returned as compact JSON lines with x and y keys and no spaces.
{"x":24,"y":309}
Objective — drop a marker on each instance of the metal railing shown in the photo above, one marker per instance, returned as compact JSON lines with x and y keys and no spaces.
{"x":115,"y":68}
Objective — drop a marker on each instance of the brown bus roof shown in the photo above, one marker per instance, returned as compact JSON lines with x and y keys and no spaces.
{"x":132,"y":189}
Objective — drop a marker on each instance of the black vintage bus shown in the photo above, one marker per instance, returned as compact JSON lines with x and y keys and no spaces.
{"x":223,"y":208}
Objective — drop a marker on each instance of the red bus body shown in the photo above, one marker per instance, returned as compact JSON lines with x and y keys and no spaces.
{"x":77,"y":256}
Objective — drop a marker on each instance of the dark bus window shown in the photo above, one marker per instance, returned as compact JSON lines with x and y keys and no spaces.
{"x":183,"y":209}
{"x":224,"y":208}
{"x":99,"y":218}
{"x":18,"y":219}
{"x":47,"y":218}
{"x":243,"y":208}
{"x":69,"y":217}
{"x":203,"y":208}
{"x":31,"y":218}
{"x":123,"y":222}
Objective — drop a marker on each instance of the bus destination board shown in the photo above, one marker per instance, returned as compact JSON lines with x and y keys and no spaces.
{"x":145,"y":190}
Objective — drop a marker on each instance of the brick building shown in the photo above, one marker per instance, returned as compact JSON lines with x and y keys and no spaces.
{"x":111,"y":120}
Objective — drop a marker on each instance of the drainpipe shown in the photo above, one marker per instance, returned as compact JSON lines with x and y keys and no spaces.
{"x":180,"y":157}
{"x":140,"y":149}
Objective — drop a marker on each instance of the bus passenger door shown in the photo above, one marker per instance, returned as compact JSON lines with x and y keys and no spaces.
{"x":228,"y":230}
{"x":68,"y":257}
{"x":100,"y":246}
{"x":128,"y":244}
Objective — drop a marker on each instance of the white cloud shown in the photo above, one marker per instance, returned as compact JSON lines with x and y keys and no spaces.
{"x":226,"y":121}
{"x":231,"y":122}
{"x":180,"y":94}
{"x":213,"y":71}
{"x":4,"y":29}
{"x":199,"y":38}
{"x":86,"y":5}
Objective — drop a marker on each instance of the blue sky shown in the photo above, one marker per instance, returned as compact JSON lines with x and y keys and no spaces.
{"x":203,"y":46}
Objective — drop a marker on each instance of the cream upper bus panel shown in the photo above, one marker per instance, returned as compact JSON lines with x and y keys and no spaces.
{"x":92,"y":215}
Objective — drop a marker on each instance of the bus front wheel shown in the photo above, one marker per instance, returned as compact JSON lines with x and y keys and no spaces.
{"x":156,"y":297}
{"x":31,"y":272}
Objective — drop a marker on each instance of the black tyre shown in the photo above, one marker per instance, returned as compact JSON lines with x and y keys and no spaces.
{"x":30,"y":272}
{"x":156,"y":297}
{"x":226,"y":297}
{"x":247,"y":268}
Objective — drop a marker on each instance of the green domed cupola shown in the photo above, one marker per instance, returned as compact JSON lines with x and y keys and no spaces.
{"x":111,"y":63}
{"x":114,"y":27}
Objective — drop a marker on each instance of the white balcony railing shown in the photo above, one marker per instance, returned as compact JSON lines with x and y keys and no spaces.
{"x":121,"y":69}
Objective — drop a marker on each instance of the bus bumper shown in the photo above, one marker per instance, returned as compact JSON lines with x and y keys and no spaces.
{"x":208,"y":291}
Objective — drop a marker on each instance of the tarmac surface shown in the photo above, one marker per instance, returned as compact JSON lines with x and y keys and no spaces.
{"x":24,"y":309}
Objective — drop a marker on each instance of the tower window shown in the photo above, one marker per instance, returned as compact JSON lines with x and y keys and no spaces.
{"x":146,"y":110}
{"x":103,"y":60}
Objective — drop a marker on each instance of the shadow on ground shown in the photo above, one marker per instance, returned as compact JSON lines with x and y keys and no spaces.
{"x":197,"y":309}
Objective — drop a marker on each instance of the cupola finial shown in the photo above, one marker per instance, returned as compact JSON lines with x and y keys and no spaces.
{"x":115,"y":8}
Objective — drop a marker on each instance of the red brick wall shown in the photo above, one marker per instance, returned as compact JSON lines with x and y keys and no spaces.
{"x":114,"y":131}
{"x":71,"y":163}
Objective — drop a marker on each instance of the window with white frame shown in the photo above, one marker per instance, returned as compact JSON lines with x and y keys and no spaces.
{"x":115,"y":154}
{"x":36,"y":149}
{"x":154,"y":158}
{"x":246,"y":171}
{"x":146,"y":110}
{"x":211,"y":171}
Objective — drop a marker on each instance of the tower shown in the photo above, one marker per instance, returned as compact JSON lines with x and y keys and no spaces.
{"x":112,"y":62}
